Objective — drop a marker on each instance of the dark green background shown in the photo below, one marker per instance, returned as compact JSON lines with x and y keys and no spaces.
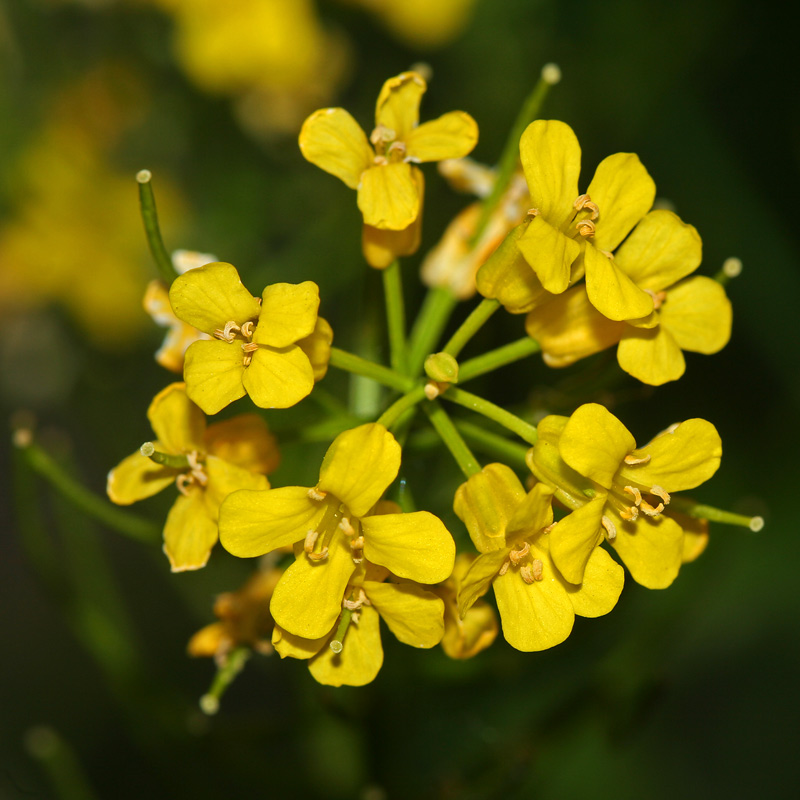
{"x":688,"y":692}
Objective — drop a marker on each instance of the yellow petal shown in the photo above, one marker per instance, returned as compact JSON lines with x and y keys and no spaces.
{"x":680,"y":459}
{"x":594,"y":442}
{"x":189,"y":533}
{"x":568,"y":327}
{"x":361,"y":659}
{"x":549,"y":253}
{"x":359,"y":466}
{"x":534,"y":616}
{"x":575,"y":538}
{"x":398,"y":103}
{"x":179,"y":425}
{"x":465,"y":638}
{"x":416,"y":546}
{"x":624,"y":192}
{"x":601,"y":587}
{"x":381,"y":247}
{"x":698,"y":315}
{"x":210,"y":296}
{"x":551,"y":159}
{"x":244,"y":440}
{"x":317,"y":348}
{"x":213,"y":372}
{"x":507,"y":277}
{"x":335,"y":142}
{"x":137,"y":477}
{"x":287,"y":645}
{"x":651,"y":549}
{"x":478,"y":578}
{"x":695,"y":535}
{"x":453,"y":135}
{"x":207,"y":641}
{"x":486,"y":502}
{"x":288,"y":313}
{"x":252,"y":523}
{"x":388,"y":196}
{"x":534,"y":513}
{"x":278,"y":378}
{"x":611,"y":291}
{"x":651,"y":355}
{"x":308,"y":598}
{"x":224,"y":478}
{"x":661,"y":250}
{"x":415,"y":616}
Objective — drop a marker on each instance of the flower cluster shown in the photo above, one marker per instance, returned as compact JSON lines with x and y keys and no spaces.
{"x":554,"y":524}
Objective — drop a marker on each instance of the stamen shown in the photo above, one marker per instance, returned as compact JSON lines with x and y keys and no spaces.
{"x":517,"y":555}
{"x":247,"y":329}
{"x":526,"y":571}
{"x":585,"y":202}
{"x":316,"y":494}
{"x":537,"y":567}
{"x":357,"y":548}
{"x":504,"y":568}
{"x":630,"y":514}
{"x":533,"y":212}
{"x":586,"y":228}
{"x":658,"y":298}
{"x":650,"y":510}
{"x":397,"y":147}
{"x":549,"y":527}
{"x":183,"y":482}
{"x":633,"y":460}
{"x":321,"y":556}
{"x":346,"y":527}
{"x":310,"y":540}
{"x":228,"y":333}
{"x":659,"y":492}
{"x":637,"y":495}
{"x":611,"y":529}
{"x":382,"y":135}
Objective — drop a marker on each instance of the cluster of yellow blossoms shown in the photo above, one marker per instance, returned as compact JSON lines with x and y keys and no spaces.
{"x":590,"y":270}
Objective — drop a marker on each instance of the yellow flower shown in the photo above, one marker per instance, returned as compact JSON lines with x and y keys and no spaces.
{"x":256,"y":347}
{"x":389,"y":195}
{"x":212,"y":463}
{"x":244,"y":619}
{"x":689,"y":313}
{"x":537,"y":605}
{"x":336,"y":523}
{"x":619,"y":492}
{"x":465,"y":638}
{"x":570,"y":234}
{"x":412,"y":613}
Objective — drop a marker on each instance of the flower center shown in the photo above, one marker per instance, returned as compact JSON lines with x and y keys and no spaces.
{"x":233,"y":331}
{"x":633,"y":497}
{"x":196,"y":476}
{"x":335,"y":518}
{"x":388,"y":149}
{"x":586,"y":215}
{"x":530,"y":569}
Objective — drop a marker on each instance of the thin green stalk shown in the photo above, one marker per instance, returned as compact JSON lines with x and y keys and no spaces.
{"x":369,"y":369}
{"x":524,"y":430}
{"x":731,"y":268}
{"x":395,"y":316}
{"x":399,"y":407}
{"x":712,"y":514}
{"x":147,"y":203}
{"x":508,"y":160}
{"x":100,"y":509}
{"x":452,"y":438}
{"x":172,"y":460}
{"x":429,"y":325}
{"x":500,"y":357}
{"x":471,"y":325}
{"x":225,"y":676}
{"x":337,"y":643}
{"x":493,"y":444}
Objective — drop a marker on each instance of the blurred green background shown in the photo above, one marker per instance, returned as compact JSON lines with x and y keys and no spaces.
{"x":690,"y":691}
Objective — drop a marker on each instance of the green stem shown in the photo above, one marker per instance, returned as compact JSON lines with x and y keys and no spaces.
{"x":524,"y":430}
{"x":452,"y":438}
{"x":427,"y":330}
{"x":337,"y":643}
{"x":233,"y":665}
{"x":500,"y":357}
{"x":369,"y":369}
{"x":510,"y":156}
{"x":395,"y":316}
{"x":471,"y":325}
{"x":103,"y":511}
{"x":147,"y":203}
{"x":712,"y":514}
{"x":399,"y":407}
{"x":493,"y":444}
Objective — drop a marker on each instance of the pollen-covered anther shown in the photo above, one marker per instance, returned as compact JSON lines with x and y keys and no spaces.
{"x":550,"y":527}
{"x":228,"y":333}
{"x":504,"y":568}
{"x":584,"y":202}
{"x":382,"y":135}
{"x":637,"y":495}
{"x":183,"y":482}
{"x":355,"y":605}
{"x":533,"y":212}
{"x":196,"y":471}
{"x":630,"y":514}
{"x":537,"y":568}
{"x":658,"y":298}
{"x":310,"y":540}
{"x":249,"y":348}
{"x":357,"y":548}
{"x":346,"y":527}
{"x":517,"y":555}
{"x":316,"y":494}
{"x":611,"y":529}
{"x":662,"y":493}
{"x":586,"y":228}
{"x":247,"y":329}
{"x":526,"y":573}
{"x":631,"y":460}
{"x":397,"y":147}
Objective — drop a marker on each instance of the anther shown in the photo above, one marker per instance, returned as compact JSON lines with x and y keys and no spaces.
{"x":247,"y":329}
{"x":310,"y":541}
{"x":504,"y":568}
{"x":632,"y":460}
{"x":586,"y":228}
{"x":321,"y":556}
{"x":585,"y":202}
{"x":397,"y":147}
{"x":650,"y":510}
{"x":316,"y":494}
{"x":658,"y":298}
{"x":228,"y":333}
{"x":526,"y":572}
{"x":537,"y":567}
{"x":517,"y":555}
{"x":611,"y":529}
{"x":183,"y":482}
{"x":382,"y":135}
{"x":533,"y":212}
{"x":630,"y":514}
{"x":662,"y":493}
{"x":637,"y":495}
{"x":346,"y":527}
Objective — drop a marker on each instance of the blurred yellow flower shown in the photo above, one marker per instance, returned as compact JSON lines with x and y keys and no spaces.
{"x":337,"y":524}
{"x":256,"y":347}
{"x":205,"y":464}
